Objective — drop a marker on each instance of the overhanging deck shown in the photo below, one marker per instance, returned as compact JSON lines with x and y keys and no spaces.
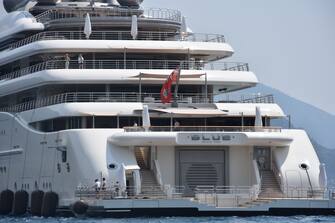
{"x":260,"y":137}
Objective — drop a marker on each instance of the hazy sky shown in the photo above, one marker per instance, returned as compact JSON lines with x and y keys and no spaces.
{"x":289,"y":44}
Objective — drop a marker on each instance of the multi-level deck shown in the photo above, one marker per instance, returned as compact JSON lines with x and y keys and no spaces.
{"x":66,"y":122}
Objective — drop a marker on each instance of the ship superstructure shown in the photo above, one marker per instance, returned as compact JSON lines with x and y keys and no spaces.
{"x":83,"y":126}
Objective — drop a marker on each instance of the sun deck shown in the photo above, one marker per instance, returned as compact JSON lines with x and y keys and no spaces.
{"x":127,"y":65}
{"x":117,"y":35}
{"x":64,"y":13}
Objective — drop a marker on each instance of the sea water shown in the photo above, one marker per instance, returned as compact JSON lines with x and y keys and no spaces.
{"x":261,"y":219}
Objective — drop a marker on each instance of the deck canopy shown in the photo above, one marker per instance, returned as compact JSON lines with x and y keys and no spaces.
{"x":164,"y":76}
{"x":192,"y":112}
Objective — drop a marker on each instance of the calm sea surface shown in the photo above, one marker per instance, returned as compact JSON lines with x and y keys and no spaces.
{"x":302,"y":219}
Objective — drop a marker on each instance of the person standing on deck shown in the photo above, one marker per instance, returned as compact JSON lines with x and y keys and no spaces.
{"x":67,"y":61}
{"x":81,"y":61}
{"x":104,"y":184}
{"x":97,"y":185}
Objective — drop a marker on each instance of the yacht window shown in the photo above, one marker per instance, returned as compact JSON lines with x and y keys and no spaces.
{"x":64,"y":156}
{"x":13,"y":5}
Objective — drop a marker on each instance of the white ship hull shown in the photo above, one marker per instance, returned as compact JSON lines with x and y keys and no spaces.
{"x":68,"y":96}
{"x":35,"y":163}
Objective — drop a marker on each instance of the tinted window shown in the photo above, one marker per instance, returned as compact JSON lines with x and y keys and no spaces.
{"x":13,"y":5}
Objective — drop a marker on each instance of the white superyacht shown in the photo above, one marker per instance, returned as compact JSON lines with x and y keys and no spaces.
{"x":110,"y":109}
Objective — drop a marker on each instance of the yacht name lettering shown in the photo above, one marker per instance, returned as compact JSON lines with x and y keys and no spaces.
{"x":199,"y":137}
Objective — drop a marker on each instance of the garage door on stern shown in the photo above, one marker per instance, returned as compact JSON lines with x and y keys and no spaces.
{"x":200,"y":167}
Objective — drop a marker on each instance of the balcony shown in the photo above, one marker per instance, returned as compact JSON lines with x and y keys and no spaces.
{"x":126,"y":64}
{"x":117,"y":35}
{"x":160,"y":14}
{"x":103,"y":97}
{"x":112,"y":97}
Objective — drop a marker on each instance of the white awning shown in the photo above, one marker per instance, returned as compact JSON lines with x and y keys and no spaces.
{"x":164,"y":76}
{"x":192,"y":111}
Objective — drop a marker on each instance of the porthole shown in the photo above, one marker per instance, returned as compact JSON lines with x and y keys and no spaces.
{"x":304,"y":166}
{"x":112,"y":166}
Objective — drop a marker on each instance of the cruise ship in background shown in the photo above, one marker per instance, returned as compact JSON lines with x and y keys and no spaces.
{"x":110,"y":109}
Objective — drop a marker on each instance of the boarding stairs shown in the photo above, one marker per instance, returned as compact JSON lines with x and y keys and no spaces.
{"x":149,"y":185}
{"x":269,"y":187}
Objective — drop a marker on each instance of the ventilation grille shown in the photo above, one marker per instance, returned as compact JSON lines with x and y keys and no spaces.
{"x":201,"y":175}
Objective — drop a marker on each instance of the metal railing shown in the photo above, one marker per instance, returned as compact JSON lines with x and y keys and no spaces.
{"x":150,"y":13}
{"x":226,"y":196}
{"x":259,"y":99}
{"x":203,"y":129}
{"x":118,"y":35}
{"x":246,"y":98}
{"x":305,"y":193}
{"x":25,"y":71}
{"x":217,"y":196}
{"x":131,"y":192}
{"x":126,"y":64}
{"x":100,"y":97}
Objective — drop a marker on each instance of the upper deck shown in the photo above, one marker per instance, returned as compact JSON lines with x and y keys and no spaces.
{"x":159,"y":18}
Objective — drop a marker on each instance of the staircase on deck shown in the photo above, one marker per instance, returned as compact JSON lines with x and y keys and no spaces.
{"x":270,"y":187}
{"x":149,"y":184}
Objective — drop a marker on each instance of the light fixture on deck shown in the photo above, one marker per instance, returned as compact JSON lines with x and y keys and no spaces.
{"x":306,"y":166}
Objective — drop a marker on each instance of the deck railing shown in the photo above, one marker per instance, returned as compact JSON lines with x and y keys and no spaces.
{"x":251,"y":98}
{"x":203,"y":129}
{"x":131,"y":192}
{"x":105,"y":97}
{"x":117,"y":35}
{"x":259,"y":99}
{"x":73,"y":13}
{"x":226,"y":196}
{"x":217,"y":196}
{"x":126,"y":64}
